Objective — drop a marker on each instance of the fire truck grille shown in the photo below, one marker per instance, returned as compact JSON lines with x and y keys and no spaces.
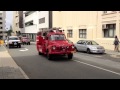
{"x":62,"y":48}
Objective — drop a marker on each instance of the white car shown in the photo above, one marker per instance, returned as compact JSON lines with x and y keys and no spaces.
{"x":13,"y":41}
{"x":89,"y":46}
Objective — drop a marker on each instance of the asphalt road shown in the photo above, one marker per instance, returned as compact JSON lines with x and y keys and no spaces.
{"x":38,"y":67}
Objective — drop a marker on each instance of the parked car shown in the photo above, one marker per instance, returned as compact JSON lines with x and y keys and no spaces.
{"x":25,"y":40}
{"x":12,"y":41}
{"x":89,"y":46}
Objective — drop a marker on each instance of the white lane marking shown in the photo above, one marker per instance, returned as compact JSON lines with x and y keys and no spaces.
{"x":97,"y":67}
{"x":25,"y":49}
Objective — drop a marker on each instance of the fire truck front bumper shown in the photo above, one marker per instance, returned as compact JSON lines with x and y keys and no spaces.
{"x":61,"y":52}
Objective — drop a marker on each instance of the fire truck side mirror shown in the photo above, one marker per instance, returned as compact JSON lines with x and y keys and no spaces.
{"x":43,"y":34}
{"x":46,"y":38}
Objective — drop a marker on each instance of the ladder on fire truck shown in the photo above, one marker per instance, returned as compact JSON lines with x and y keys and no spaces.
{"x":50,"y":30}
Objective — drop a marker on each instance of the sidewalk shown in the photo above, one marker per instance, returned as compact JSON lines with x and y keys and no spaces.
{"x":111,"y":52}
{"x":8,"y":68}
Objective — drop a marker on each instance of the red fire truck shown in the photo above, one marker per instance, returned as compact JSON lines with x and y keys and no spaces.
{"x":52,"y":42}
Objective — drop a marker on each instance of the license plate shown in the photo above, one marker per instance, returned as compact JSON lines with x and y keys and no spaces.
{"x":100,"y":51}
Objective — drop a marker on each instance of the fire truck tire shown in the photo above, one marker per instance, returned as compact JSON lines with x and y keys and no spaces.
{"x":49,"y":56}
{"x":70,"y":56}
{"x":39,"y":53}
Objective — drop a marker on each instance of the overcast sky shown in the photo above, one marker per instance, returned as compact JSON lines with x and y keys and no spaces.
{"x":9,"y":18}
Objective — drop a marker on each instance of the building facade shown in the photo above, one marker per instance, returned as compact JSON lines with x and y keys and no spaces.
{"x":2,"y":24}
{"x":18,"y":25}
{"x":77,"y":24}
{"x":108,"y":27}
{"x":35,"y":21}
{"x":101,"y":26}
{"x":30,"y":24}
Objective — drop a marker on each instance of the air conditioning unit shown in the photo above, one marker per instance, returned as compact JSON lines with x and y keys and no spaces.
{"x":104,"y":26}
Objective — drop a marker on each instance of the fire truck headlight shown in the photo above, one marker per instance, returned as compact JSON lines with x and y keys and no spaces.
{"x":53,"y":47}
{"x":67,"y":47}
{"x":73,"y":47}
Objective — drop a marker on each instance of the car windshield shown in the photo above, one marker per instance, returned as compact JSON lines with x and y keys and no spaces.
{"x":25,"y":38}
{"x":13,"y":38}
{"x":57,"y":37}
{"x":92,"y":43}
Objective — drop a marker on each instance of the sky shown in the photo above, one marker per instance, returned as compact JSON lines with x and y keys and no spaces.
{"x":9,"y":19}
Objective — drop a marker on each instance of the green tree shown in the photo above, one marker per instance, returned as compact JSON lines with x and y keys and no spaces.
{"x":10,"y":31}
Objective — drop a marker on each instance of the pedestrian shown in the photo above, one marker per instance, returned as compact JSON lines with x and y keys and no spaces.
{"x":116,"y":44}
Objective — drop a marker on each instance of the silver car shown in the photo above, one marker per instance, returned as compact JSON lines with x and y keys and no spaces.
{"x":89,"y":46}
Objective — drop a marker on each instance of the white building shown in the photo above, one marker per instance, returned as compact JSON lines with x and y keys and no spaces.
{"x":35,"y":21}
{"x":2,"y":23}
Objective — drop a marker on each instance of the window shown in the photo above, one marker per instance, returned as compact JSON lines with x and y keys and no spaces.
{"x":109,"y":31}
{"x":28,"y":13}
{"x":70,"y":33}
{"x":16,"y":24}
{"x":29,"y":23}
{"x":13,"y":38}
{"x":82,"y":33}
{"x":0,"y":18}
{"x":91,"y":43}
{"x":104,"y":12}
{"x":0,"y":22}
{"x":1,"y":27}
{"x":81,"y":42}
{"x":42,"y":20}
{"x":57,"y":37}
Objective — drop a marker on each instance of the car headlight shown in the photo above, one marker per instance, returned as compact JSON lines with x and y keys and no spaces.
{"x":10,"y":42}
{"x":93,"y":48}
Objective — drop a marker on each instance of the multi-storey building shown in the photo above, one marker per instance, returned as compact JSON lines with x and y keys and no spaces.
{"x":2,"y":24}
{"x":35,"y":21}
{"x":101,"y":26}
{"x":17,"y":22}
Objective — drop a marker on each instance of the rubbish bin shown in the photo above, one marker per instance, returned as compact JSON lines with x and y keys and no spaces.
{"x":1,"y":42}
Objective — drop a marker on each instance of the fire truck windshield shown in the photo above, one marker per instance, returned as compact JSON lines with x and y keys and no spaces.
{"x":57,"y":37}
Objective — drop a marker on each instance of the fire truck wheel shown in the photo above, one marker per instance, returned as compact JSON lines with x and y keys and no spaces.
{"x":70,"y":56}
{"x":39,"y":53}
{"x":49,"y":56}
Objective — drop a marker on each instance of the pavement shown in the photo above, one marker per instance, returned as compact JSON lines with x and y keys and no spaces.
{"x":39,"y":67}
{"x":8,"y":68}
{"x":111,"y":52}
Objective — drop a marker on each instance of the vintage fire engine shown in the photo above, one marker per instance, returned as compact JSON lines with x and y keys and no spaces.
{"x":52,"y":42}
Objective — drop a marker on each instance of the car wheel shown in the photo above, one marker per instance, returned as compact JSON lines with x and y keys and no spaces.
{"x":88,"y":51}
{"x":9,"y":46}
{"x":70,"y":56}
{"x":19,"y":46}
